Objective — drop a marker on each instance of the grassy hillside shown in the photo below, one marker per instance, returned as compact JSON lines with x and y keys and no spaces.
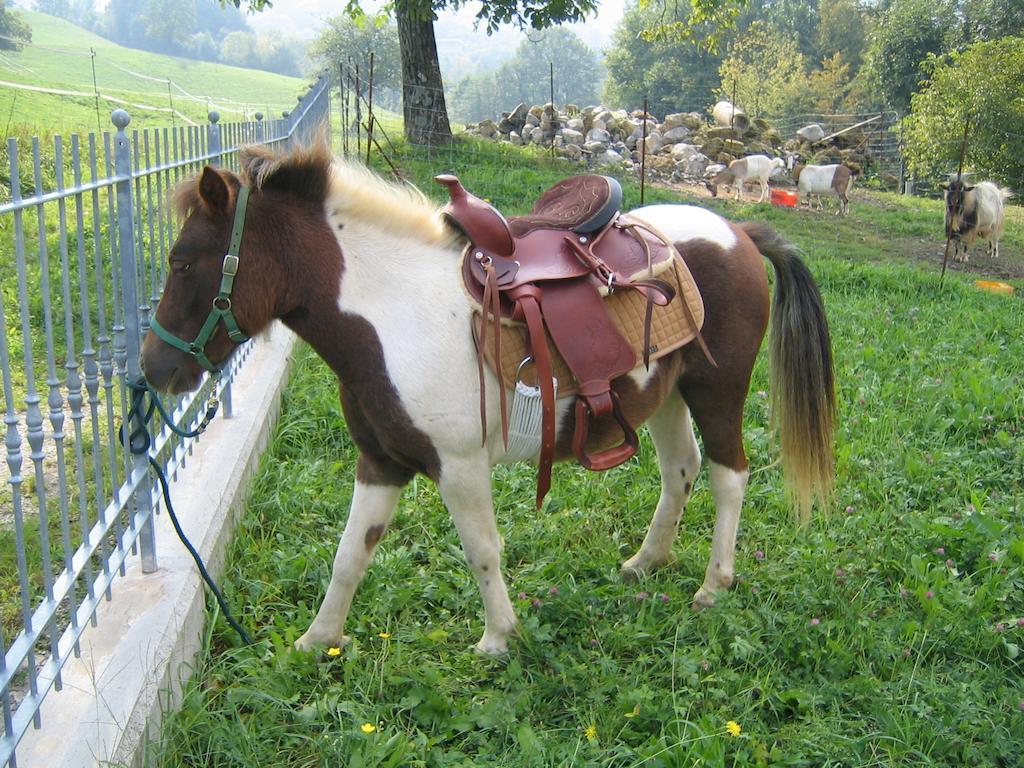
{"x":59,"y":58}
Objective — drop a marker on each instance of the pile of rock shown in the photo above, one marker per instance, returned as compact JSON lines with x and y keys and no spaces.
{"x":682,"y":146}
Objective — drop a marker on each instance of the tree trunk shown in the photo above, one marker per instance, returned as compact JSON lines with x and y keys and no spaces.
{"x":423,"y":106}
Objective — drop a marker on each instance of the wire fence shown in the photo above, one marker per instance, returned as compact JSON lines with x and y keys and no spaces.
{"x":84,"y":234}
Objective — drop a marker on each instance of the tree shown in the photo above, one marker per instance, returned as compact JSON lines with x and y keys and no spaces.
{"x":676,"y":75}
{"x":424,"y":112}
{"x":831,"y":88}
{"x":843,"y":29}
{"x":984,"y":83}
{"x":797,"y":20}
{"x":59,"y":8}
{"x":168,"y":25}
{"x":908,"y":33}
{"x":123,"y":21}
{"x":217,"y":19}
{"x":766,"y":72}
{"x":14,"y":30}
{"x":239,"y":48}
{"x":993,"y":19}
{"x":345,"y":39}
{"x":526,"y":77}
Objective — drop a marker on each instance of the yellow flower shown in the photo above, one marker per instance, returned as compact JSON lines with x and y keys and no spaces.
{"x":368,"y":727}
{"x":384,"y":635}
{"x":733,"y":728}
{"x":591,"y":732}
{"x":334,"y":651}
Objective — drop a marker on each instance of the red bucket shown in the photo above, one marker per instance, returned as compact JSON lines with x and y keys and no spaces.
{"x":784,"y":197}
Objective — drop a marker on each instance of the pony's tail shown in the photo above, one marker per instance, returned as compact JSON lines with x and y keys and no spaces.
{"x":802,"y":391}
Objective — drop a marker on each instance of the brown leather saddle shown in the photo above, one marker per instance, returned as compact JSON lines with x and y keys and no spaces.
{"x":551,"y":269}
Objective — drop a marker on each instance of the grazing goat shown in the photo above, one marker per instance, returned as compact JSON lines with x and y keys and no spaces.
{"x":821,"y":180}
{"x":747,"y":169}
{"x":974,"y":210}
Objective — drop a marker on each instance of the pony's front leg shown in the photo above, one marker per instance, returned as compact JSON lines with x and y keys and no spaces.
{"x":465,"y":487}
{"x":373,"y":506}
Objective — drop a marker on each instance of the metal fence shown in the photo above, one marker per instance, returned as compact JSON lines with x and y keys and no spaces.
{"x":84,"y":236}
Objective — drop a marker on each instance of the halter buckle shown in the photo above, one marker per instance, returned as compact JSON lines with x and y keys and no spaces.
{"x":230,"y":266}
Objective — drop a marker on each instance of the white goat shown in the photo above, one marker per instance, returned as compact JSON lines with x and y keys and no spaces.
{"x":821,"y":180}
{"x":746,"y":169}
{"x":972,"y":211}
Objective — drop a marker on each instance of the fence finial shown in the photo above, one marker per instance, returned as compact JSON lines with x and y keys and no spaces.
{"x":120,"y":118}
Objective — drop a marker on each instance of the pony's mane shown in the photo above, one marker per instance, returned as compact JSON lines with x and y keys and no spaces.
{"x":345,"y":187}
{"x":399,"y":208}
{"x":304,"y":172}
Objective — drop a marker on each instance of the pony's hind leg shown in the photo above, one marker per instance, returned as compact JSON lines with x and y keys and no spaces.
{"x":373,"y":506}
{"x":465,"y":486}
{"x":728,"y":487}
{"x":679,"y":461}
{"x":718,"y":413}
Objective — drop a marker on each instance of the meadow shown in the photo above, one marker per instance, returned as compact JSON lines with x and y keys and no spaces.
{"x":59,"y":58}
{"x":887,"y":632}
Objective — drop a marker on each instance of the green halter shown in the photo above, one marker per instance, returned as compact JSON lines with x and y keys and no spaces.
{"x":221,"y":309}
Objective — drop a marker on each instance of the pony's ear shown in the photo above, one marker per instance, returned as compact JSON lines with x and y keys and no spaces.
{"x":213,"y":190}
{"x":969,"y":187}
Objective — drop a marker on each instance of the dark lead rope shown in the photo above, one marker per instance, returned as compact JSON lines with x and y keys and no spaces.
{"x":139,"y":443}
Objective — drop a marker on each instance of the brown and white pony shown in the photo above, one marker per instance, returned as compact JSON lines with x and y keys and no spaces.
{"x":367,"y":272}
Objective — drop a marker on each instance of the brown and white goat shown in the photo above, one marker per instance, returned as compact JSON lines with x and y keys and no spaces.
{"x":973,"y":211}
{"x":754,"y":168}
{"x":821,"y":180}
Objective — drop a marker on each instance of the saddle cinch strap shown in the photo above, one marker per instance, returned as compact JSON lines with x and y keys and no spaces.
{"x":553,"y":279}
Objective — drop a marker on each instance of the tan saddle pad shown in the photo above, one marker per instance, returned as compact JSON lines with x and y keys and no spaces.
{"x":670,"y":328}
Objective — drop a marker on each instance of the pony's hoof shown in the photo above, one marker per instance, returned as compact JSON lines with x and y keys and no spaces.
{"x":491,"y":649}
{"x":630,"y":575}
{"x":703,"y":599}
{"x":311,"y":642}
{"x":636,"y":567}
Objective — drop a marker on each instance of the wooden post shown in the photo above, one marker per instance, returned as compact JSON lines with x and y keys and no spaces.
{"x":551,"y":82}
{"x":344,"y":109}
{"x":959,"y":176}
{"x":732,"y":117}
{"x":359,"y":117}
{"x":643,"y":154}
{"x":369,"y":112}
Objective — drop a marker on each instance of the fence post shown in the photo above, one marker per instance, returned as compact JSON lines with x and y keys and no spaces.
{"x":259,"y":128}
{"x":143,"y":497}
{"x":213,"y":144}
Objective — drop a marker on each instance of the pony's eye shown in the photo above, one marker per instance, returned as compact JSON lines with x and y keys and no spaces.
{"x":181,"y":266}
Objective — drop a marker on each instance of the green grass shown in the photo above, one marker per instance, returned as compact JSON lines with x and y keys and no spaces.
{"x":887,"y":633}
{"x":59,"y":58}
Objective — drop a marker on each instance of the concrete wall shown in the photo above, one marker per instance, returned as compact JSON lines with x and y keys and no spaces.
{"x":133,"y":664}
